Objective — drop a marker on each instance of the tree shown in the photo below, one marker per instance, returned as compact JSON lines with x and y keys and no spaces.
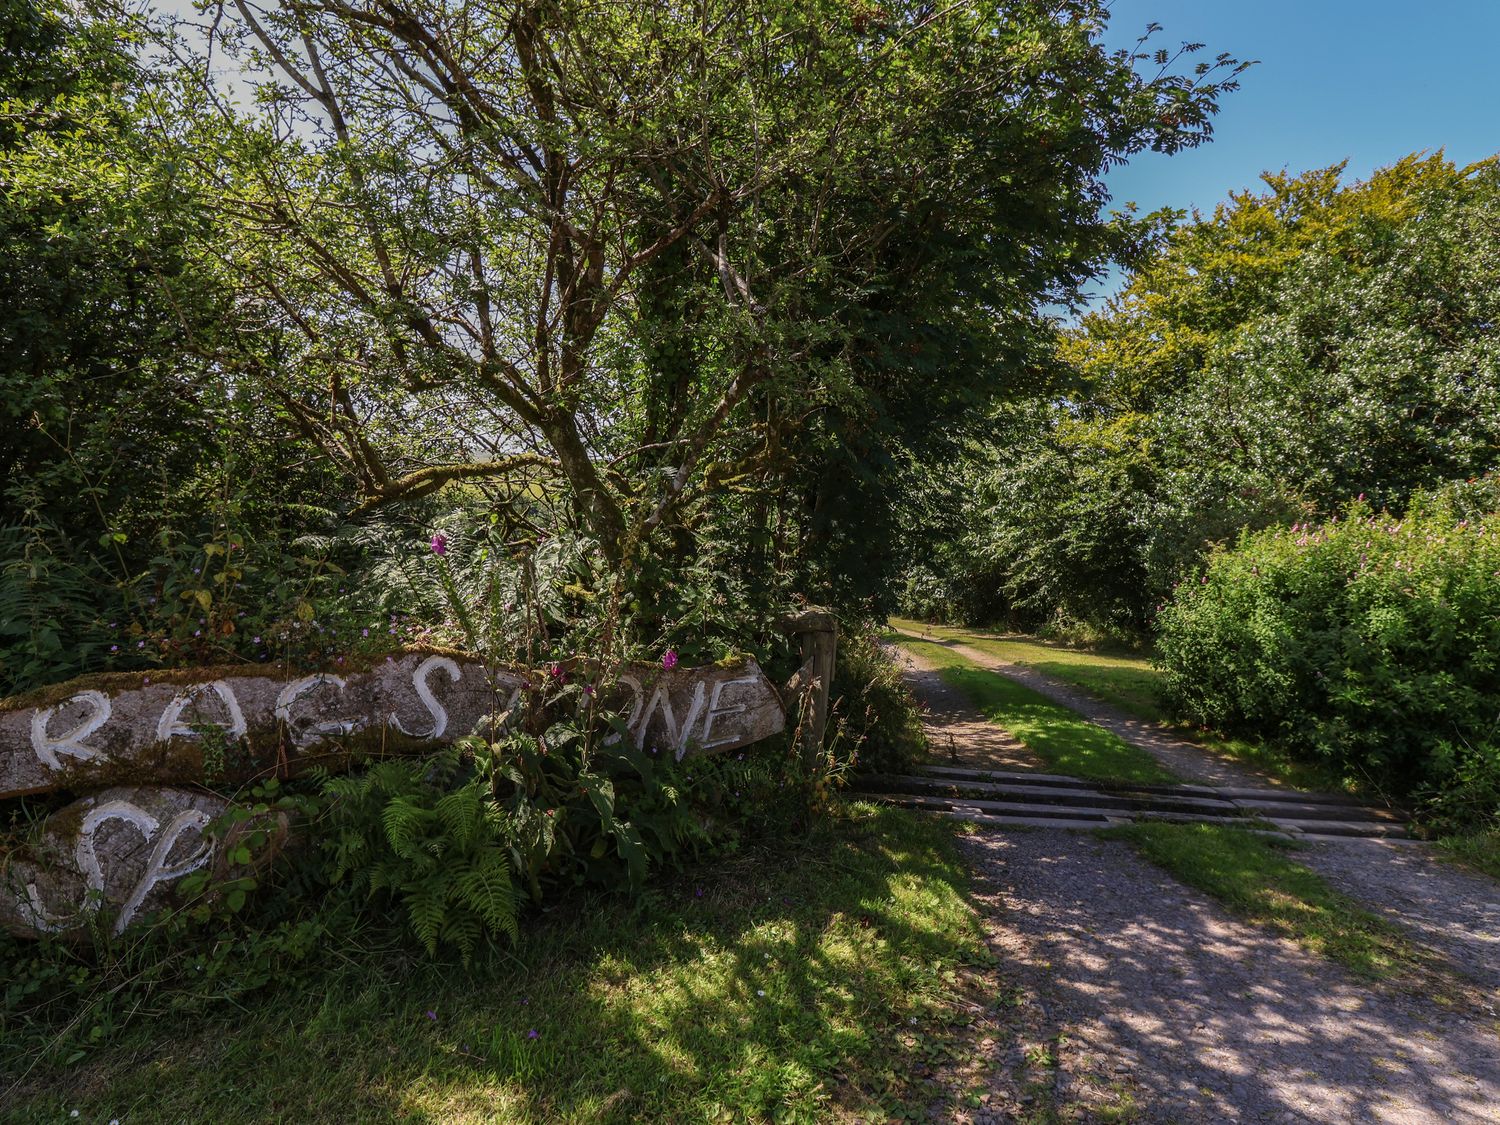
{"x":1300,"y":347}
{"x":632,"y":253}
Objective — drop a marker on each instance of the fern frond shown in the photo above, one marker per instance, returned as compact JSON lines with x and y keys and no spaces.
{"x":425,"y":906}
{"x":404,"y":821}
{"x":462,"y":814}
{"x":487,"y":890}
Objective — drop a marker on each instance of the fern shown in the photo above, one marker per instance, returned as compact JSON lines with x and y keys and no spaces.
{"x":428,"y":835}
{"x":403,"y":820}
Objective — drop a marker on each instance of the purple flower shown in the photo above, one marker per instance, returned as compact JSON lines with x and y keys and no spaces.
{"x":588,"y":689}
{"x":669,"y":659}
{"x":114,"y":648}
{"x":256,"y":641}
{"x":533,"y":1034}
{"x":439,"y":544}
{"x":364,"y":632}
{"x":432,"y":1015}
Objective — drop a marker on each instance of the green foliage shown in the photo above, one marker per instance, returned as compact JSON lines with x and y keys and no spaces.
{"x":873,"y":708}
{"x":1264,"y":364}
{"x":436,"y":844}
{"x":459,"y":839}
{"x":1367,"y":642}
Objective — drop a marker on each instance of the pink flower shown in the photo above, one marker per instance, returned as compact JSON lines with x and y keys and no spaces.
{"x":669,"y":659}
{"x":439,"y":544}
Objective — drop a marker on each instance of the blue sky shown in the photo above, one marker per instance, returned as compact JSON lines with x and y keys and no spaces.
{"x":1363,"y":80}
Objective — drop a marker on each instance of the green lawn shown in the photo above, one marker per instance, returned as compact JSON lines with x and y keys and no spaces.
{"x":794,"y":983}
{"x":1255,"y":878}
{"x":1063,"y":739}
{"x":1130,"y":683}
{"x":1126,"y":680}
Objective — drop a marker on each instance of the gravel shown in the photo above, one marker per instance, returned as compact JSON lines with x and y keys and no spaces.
{"x":1125,"y":995}
{"x":1143,"y":996}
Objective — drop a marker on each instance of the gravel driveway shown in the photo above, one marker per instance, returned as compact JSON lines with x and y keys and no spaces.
{"x":1144,"y":999}
{"x":1128,"y":996}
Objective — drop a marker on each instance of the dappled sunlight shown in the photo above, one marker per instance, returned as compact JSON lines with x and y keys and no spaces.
{"x":753,"y":984}
{"x":1151,"y":981}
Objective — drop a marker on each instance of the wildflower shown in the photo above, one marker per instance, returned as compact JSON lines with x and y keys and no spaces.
{"x":588,"y":689}
{"x":114,"y":648}
{"x":439,"y":544}
{"x":364,"y":632}
{"x":255,"y":641}
{"x":533,"y":1034}
{"x":669,"y":659}
{"x":431,"y":1015}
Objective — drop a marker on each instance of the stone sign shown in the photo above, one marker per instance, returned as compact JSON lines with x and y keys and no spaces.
{"x":122,"y":850}
{"x":244,"y":724}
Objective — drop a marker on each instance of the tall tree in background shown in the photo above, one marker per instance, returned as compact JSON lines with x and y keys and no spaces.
{"x":634,"y":254}
{"x":1301,"y":346}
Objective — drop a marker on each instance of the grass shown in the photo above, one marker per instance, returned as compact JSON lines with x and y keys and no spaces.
{"x":1063,"y":739}
{"x":1255,"y":879}
{"x":1128,"y":681}
{"x":791,"y":983}
{"x":1480,"y":851}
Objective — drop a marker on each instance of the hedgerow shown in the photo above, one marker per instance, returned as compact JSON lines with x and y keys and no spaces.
{"x":1370,"y":642}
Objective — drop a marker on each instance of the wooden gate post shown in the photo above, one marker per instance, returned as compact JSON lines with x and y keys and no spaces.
{"x":817,"y":632}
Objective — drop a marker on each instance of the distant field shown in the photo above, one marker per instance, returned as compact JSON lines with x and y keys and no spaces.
{"x":1126,"y":680}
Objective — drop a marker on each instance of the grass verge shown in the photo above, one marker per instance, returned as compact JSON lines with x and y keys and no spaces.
{"x":1256,"y":880}
{"x":790,"y":983}
{"x":1480,"y":852}
{"x":1066,"y":741}
{"x":1129,"y":682}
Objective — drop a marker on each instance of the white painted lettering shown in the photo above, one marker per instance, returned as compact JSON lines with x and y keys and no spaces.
{"x":156,"y":869}
{"x":424,"y":693}
{"x":677,"y":734}
{"x":170,"y":725}
{"x":48,"y":748}
{"x":308,"y":734}
{"x":715,"y":712}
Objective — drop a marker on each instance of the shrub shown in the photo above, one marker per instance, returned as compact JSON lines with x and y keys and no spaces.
{"x":1369,"y":642}
{"x":873,"y":708}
